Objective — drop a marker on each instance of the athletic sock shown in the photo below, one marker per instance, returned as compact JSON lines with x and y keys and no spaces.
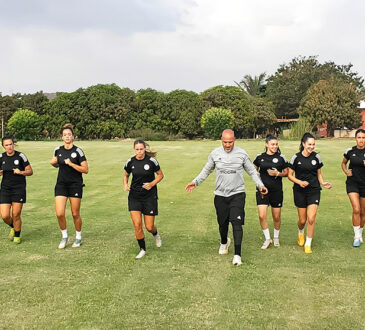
{"x":266,"y":233}
{"x":16,"y":233}
{"x":155,"y":233}
{"x":142,"y":244}
{"x":357,"y":232}
{"x":276,"y":233}
{"x":308,"y":241}
{"x":361,"y":230}
{"x":223,"y":231}
{"x":301,"y":231}
{"x":78,"y":235}
{"x":64,"y":233}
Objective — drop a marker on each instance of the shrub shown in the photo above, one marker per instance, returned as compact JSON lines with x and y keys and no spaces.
{"x":215,"y":120}
{"x":24,"y":125}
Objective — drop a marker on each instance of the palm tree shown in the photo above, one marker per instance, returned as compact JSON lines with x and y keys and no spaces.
{"x":253,"y":85}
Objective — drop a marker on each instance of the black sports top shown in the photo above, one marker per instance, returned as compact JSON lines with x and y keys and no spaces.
{"x":66,"y":174}
{"x":8,"y":164}
{"x":306,"y":169}
{"x":356,"y":158}
{"x":266,"y":162}
{"x":143,"y":171}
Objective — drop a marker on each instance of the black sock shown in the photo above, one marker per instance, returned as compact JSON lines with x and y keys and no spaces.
{"x":142,"y":244}
{"x":237,"y":235}
{"x":17,"y":233}
{"x":154,"y":234}
{"x":11,"y":226}
{"x":223,"y":230}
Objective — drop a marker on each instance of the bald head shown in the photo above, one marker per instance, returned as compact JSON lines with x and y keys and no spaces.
{"x":228,"y":140}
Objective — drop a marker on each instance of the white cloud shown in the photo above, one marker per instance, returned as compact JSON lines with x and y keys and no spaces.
{"x":210,"y":42}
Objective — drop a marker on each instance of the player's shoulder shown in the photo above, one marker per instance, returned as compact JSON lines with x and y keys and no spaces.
{"x":79,"y":151}
{"x":22,"y":156}
{"x":154,"y":161}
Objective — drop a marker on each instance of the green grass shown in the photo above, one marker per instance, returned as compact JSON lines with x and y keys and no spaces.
{"x":185,"y":284}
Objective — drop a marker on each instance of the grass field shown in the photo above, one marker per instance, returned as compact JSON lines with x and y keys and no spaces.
{"x":184,"y":284}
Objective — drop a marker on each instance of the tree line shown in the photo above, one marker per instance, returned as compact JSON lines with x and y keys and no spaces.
{"x":319,"y":92}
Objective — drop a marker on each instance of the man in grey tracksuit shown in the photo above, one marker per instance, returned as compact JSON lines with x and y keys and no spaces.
{"x":229,"y":162}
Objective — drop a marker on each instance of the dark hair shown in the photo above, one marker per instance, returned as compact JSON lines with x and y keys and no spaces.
{"x":68,"y":126}
{"x":7,"y":137}
{"x":268,"y":138}
{"x":360,"y":130}
{"x":149,"y":152}
{"x":304,"y":139}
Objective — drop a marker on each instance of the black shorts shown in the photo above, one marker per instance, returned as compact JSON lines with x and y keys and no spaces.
{"x":353,"y":186}
{"x":305,"y":197}
{"x":73,"y":190}
{"x":273,"y":198}
{"x":230,"y":208}
{"x":13,"y":195}
{"x":147,"y":206}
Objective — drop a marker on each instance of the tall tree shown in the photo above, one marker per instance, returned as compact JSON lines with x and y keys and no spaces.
{"x":334,"y":102}
{"x":254,"y":86}
{"x":234,"y":99}
{"x":290,"y":83}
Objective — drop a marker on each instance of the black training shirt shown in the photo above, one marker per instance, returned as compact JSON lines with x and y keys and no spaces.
{"x":306,"y":169}
{"x":356,"y":157}
{"x":8,"y":164}
{"x":66,"y":174}
{"x":266,"y":162}
{"x":143,"y":171}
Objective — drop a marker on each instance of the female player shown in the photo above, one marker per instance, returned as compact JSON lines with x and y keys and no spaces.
{"x":355,"y":183}
{"x":71,"y":163}
{"x":14,"y":167}
{"x":142,"y":198}
{"x":272,"y":166}
{"x":307,"y":179}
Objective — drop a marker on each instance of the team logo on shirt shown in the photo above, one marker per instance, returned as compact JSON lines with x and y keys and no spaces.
{"x":314,"y":162}
{"x":74,"y":155}
{"x":16,"y":162}
{"x":262,"y":159}
{"x":146,"y":167}
{"x":275,"y":160}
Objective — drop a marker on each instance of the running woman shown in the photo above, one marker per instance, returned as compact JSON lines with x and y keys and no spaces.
{"x":14,"y":167}
{"x":272,"y":166}
{"x":229,"y":201}
{"x":71,"y":163}
{"x":142,"y":198}
{"x":305,"y":172}
{"x":355,"y":184}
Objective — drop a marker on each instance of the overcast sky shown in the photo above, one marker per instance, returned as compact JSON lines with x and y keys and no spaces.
{"x":62,"y":45}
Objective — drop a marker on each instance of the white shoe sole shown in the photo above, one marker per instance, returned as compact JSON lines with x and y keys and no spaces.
{"x":141,"y":254}
{"x":266,"y":244}
{"x":62,"y":245}
{"x":225,"y":251}
{"x":158,"y":241}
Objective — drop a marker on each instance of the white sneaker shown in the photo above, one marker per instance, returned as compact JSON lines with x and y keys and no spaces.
{"x":266,"y":244}
{"x":77,"y":243}
{"x":158,"y":240}
{"x":276,"y":241}
{"x":237,"y":260}
{"x":141,"y":254}
{"x":223,"y":249}
{"x":63,"y":243}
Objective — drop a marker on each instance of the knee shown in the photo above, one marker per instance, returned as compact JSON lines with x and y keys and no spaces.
{"x":237,"y":227}
{"x":302,"y":221}
{"x":75,"y":215}
{"x":60,"y":215}
{"x":276,"y":219}
{"x":262,"y":218}
{"x":149,"y":228}
{"x":16,"y":216}
{"x":311,"y":221}
{"x":356,"y":211}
